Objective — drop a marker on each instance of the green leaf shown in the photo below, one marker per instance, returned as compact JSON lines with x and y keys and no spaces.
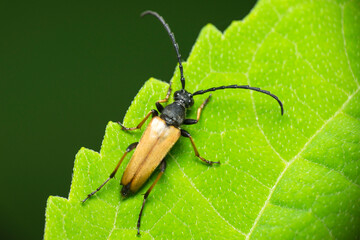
{"x":281,"y":177}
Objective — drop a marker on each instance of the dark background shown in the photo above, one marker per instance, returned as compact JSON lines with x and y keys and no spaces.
{"x":66,"y":69}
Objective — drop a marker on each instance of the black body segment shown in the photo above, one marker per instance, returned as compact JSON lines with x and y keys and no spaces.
{"x":173,"y":114}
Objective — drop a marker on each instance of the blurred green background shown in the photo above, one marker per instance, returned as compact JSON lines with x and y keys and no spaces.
{"x":66,"y":69}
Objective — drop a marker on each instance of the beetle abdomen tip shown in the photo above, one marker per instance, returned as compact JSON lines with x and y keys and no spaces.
{"x":125,"y":190}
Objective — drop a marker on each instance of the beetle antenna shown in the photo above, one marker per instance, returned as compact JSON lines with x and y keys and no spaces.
{"x":176,"y":46}
{"x":243,"y":87}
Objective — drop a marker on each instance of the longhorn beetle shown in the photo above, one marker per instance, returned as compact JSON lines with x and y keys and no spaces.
{"x":163,"y":132}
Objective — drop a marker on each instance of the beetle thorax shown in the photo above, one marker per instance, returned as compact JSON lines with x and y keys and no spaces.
{"x":174,"y":114}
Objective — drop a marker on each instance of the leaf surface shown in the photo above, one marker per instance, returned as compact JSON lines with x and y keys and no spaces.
{"x":281,"y":177}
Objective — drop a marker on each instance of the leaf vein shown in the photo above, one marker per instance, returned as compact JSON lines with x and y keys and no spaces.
{"x":323,"y":223}
{"x":257,"y":180}
{"x":114,"y":224}
{"x":63,"y":220}
{"x":298,"y":54}
{"x":168,"y":211}
{"x":295,"y":158}
{"x":344,"y":40}
{"x":251,"y":93}
{"x":307,"y":105}
{"x":334,"y":170}
{"x":91,"y":182}
{"x":187,"y":226}
{"x":211,"y":205}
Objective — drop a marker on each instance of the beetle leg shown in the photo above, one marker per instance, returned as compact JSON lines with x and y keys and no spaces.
{"x":129,"y":149}
{"x":162,"y":170}
{"x":186,"y":134}
{"x":159,"y":107}
{"x":194,"y":121}
{"x":153,"y":112}
{"x":167,"y":95}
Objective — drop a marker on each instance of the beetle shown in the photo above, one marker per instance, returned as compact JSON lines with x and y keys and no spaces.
{"x":163,"y":132}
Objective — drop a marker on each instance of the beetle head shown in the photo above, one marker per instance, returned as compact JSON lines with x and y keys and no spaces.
{"x":184,"y":97}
